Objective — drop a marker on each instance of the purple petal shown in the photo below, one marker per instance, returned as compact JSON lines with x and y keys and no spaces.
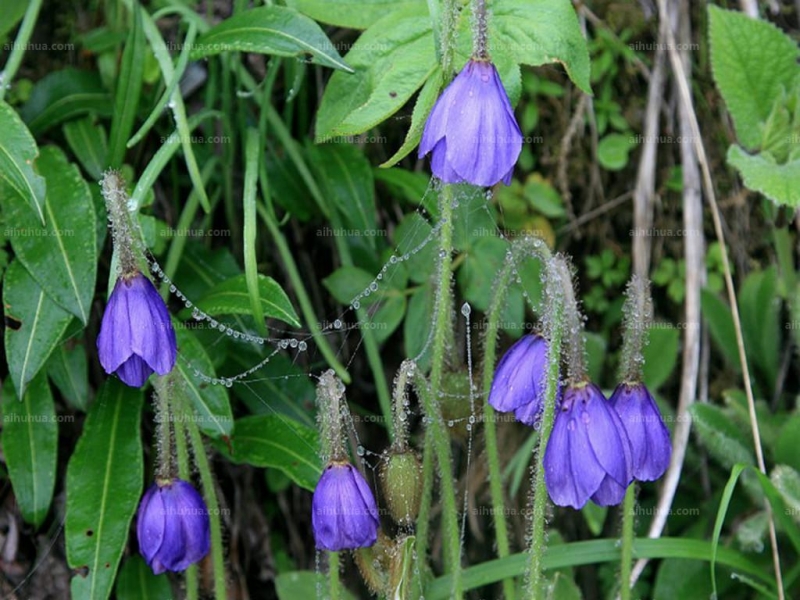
{"x":440,"y":167}
{"x":609,"y":493}
{"x":514,"y":382}
{"x":114,"y":339}
{"x":436,"y":124}
{"x":606,"y":434}
{"x":344,"y":514}
{"x":152,"y":335}
{"x":649,"y":437}
{"x":150,"y":527}
{"x":134,"y":371}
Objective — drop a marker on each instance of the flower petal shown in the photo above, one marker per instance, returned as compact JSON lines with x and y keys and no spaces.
{"x":650,"y":440}
{"x":606,"y":434}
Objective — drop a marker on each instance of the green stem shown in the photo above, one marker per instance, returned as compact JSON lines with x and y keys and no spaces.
{"x":185,"y":473}
{"x":538,"y":516}
{"x":302,"y":296}
{"x":333,"y":574}
{"x":20,"y":45}
{"x":627,"y":542}
{"x":424,"y":511}
{"x":210,"y":496}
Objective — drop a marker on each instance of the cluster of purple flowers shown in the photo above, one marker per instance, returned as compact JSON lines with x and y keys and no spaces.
{"x":597,"y":447}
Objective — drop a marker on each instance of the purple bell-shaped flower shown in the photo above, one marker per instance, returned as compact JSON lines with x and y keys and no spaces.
{"x":136,"y":334}
{"x":344,"y":514}
{"x":172,"y":526}
{"x":472,"y":131}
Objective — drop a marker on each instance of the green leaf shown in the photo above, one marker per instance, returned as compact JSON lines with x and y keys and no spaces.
{"x":41,"y":324}
{"x":231,"y":298}
{"x":344,"y":176}
{"x":346,"y":283}
{"x":391,"y":60}
{"x":413,"y":239}
{"x":68,"y":370}
{"x":210,"y":402}
{"x":356,"y":14}
{"x":425,"y":101}
{"x":612,"y":151}
{"x":762,"y":174}
{"x":277,"y":442}
{"x":476,"y":276}
{"x":292,"y":585}
{"x":87,"y":140}
{"x":249,"y":229}
{"x":271,"y":30}
{"x":30,"y":446}
{"x":137,"y":582}
{"x":104,"y":484}
{"x":12,"y":12}
{"x":786,"y":445}
{"x":17,"y":152}
{"x":720,"y":323}
{"x":740,"y":49}
{"x":129,"y":89}
{"x":62,"y":254}
{"x":417,"y":326}
{"x":759,"y":305}
{"x":387,"y":318}
{"x":64,"y":95}
{"x":539,"y":32}
{"x":787,"y":481}
{"x":723,"y":440}
{"x":660,"y":356}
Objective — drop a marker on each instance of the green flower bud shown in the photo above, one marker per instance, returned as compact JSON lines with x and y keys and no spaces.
{"x":401,"y":480}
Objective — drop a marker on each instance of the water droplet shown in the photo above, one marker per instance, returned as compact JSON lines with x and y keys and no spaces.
{"x":172,"y":289}
{"x":466,"y":309}
{"x":373,"y":287}
{"x":302,"y":346}
{"x":293,"y":343}
{"x":337,"y":324}
{"x":356,"y":305}
{"x":393,"y":259}
{"x":360,"y":451}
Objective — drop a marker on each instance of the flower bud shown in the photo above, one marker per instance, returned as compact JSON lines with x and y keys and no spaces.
{"x":401,"y":480}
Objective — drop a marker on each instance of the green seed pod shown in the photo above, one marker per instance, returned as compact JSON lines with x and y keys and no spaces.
{"x":401,"y":480}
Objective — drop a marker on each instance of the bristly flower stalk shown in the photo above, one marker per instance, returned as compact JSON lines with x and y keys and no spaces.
{"x":116,"y":198}
{"x":480,"y":35}
{"x":638,"y":315}
{"x":330,"y":391}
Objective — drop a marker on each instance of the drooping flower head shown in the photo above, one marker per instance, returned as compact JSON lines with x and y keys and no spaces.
{"x":172,"y":526}
{"x":136,"y":334}
{"x":519,"y":380}
{"x":650,"y":442}
{"x":471,"y":131}
{"x":588,"y":454}
{"x":344,"y":514}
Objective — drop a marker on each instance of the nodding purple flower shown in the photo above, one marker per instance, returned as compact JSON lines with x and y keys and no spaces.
{"x":136,"y":334}
{"x":588,"y":454}
{"x":519,"y":380}
{"x":344,"y":515}
{"x":471,"y":130}
{"x":650,"y":441}
{"x":172,"y":526}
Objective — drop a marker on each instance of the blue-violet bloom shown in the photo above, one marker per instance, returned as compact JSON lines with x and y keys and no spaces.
{"x":344,"y":514}
{"x":520,"y":378}
{"x":172,"y":526}
{"x":136,"y":334}
{"x":650,"y":441}
{"x":471,"y":130}
{"x":588,"y":454}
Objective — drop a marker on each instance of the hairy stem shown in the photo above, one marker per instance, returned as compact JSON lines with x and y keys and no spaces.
{"x":626,"y":559}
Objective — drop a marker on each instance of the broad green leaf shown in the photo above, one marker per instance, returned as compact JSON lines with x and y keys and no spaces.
{"x":425,"y":101}
{"x":759,"y":305}
{"x":129,"y":89}
{"x":660,"y":355}
{"x":87,"y":140}
{"x":17,"y":152}
{"x":762,"y":174}
{"x":741,"y":49}
{"x":720,"y":435}
{"x":387,"y":318}
{"x":563,"y":588}
{"x":413,"y":240}
{"x":68,"y":370}
{"x":231,"y":298}
{"x":391,"y":60}
{"x":477,"y":274}
{"x":210,"y":402}
{"x":344,"y":176}
{"x":64,"y":95}
{"x":62,"y":255}
{"x":410,"y":187}
{"x":720,"y":323}
{"x":270,"y":30}
{"x":682,"y":578}
{"x":417,"y":331}
{"x":786,"y":445}
{"x":104,"y":485}
{"x":12,"y":12}
{"x":277,"y":442}
{"x":356,"y":14}
{"x":345,"y":283}
{"x":612,"y":151}
{"x":30,"y":446}
{"x":787,"y":481}
{"x":293,"y":585}
{"x":34,"y":325}
{"x":137,"y":582}
{"x":538,"y":32}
